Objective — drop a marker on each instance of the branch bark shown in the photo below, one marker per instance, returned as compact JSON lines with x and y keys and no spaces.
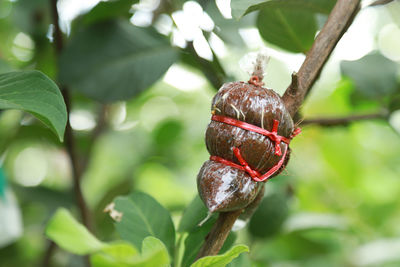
{"x":70,"y":144}
{"x":342,"y":121}
{"x":338,"y":21}
{"x":218,"y":234}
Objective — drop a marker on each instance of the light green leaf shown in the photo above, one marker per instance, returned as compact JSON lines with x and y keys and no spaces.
{"x":35,"y":93}
{"x":221,"y":260}
{"x":154,"y":254}
{"x":115,"y":60}
{"x":243,"y":7}
{"x":143,"y":216}
{"x":290,"y":28}
{"x":373,"y":75}
{"x":70,"y":235}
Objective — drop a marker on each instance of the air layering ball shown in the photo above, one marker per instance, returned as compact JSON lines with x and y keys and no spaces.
{"x":248,"y":140}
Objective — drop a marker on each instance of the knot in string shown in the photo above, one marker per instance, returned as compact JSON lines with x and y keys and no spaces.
{"x":255,"y":80}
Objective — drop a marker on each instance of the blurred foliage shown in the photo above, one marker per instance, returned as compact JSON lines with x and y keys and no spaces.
{"x":140,"y":99}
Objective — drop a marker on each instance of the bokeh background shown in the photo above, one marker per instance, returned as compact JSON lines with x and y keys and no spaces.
{"x":337,"y":204}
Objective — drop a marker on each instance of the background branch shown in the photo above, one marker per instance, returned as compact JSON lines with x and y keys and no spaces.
{"x":338,"y":21}
{"x":70,"y":145}
{"x":342,"y":121}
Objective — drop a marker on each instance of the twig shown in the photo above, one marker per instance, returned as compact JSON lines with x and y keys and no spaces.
{"x":70,"y":144}
{"x":69,"y":135}
{"x":336,"y":25}
{"x":342,"y":121}
{"x":97,"y":131}
{"x":380,"y":2}
{"x":338,"y":21}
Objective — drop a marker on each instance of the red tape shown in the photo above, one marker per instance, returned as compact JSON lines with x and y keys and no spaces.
{"x":273,"y":136}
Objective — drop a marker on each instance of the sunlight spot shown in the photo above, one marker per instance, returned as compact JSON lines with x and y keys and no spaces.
{"x":82,"y":120}
{"x":183,"y":79}
{"x":30,"y":166}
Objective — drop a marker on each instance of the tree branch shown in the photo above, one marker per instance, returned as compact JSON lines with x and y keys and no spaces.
{"x":338,"y":21}
{"x":342,"y":121}
{"x":216,"y":237}
{"x":380,"y":2}
{"x":70,"y":143}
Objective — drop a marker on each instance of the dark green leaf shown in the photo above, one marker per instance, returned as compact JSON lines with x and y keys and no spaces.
{"x":168,"y":133}
{"x":221,"y":260}
{"x":143,"y":216}
{"x":374,"y":75}
{"x":241,"y":8}
{"x":33,"y":92}
{"x":196,"y":237}
{"x":2,"y":184}
{"x":115,"y":60}
{"x":32,"y":17}
{"x":211,"y":69}
{"x":195,"y":212}
{"x":290,"y":28}
{"x":228,"y":29}
{"x":269,"y":217}
{"x":109,"y":9}
{"x":394,"y":103}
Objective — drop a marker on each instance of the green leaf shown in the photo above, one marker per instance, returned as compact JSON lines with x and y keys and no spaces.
{"x":70,"y":235}
{"x":107,"y":10}
{"x":115,"y":60}
{"x":289,"y":28}
{"x":242,"y":260}
{"x":154,"y":254}
{"x":193,"y":215}
{"x":241,"y":8}
{"x":143,"y":216}
{"x":2,"y":184}
{"x":35,"y":93}
{"x":269,"y":217}
{"x":221,"y":260}
{"x":394,"y":103}
{"x":374,"y":75}
{"x":228,"y":29}
{"x":4,"y":66}
{"x":195,"y":240}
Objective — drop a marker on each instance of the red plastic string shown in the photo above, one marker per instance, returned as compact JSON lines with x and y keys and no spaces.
{"x":255,"y":175}
{"x":273,"y":136}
